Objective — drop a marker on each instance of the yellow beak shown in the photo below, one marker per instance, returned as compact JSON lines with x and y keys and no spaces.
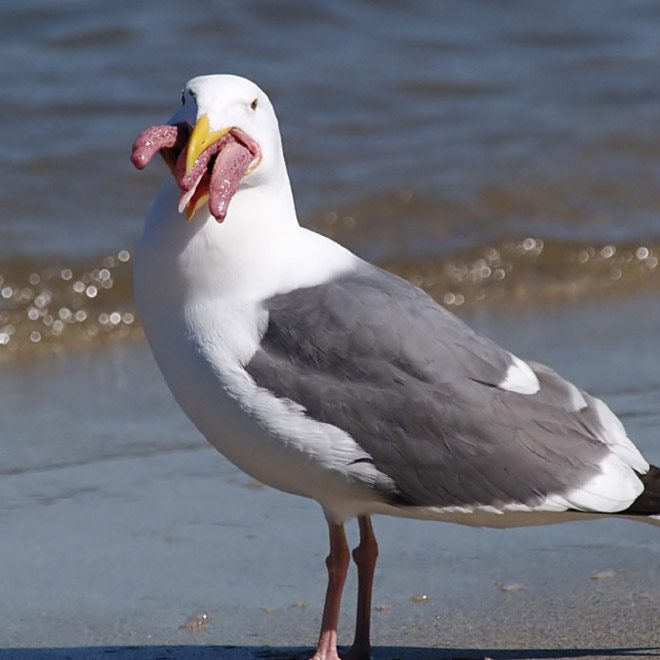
{"x":201,"y":138}
{"x":192,"y":209}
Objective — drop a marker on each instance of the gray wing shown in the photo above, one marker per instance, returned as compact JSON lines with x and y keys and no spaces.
{"x":420,"y":393}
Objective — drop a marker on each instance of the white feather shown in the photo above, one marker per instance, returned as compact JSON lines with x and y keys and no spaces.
{"x":520,"y":378}
{"x":614,"y":435}
{"x":578,"y":402}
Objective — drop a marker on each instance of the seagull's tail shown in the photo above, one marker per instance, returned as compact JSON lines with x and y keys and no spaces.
{"x":647,"y":505}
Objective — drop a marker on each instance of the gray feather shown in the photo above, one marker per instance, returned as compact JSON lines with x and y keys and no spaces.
{"x":417,"y":390}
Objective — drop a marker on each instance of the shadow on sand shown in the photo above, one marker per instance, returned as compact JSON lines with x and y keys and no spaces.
{"x":191,"y":652}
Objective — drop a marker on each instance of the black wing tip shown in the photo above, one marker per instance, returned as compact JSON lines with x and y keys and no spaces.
{"x":648,"y":503}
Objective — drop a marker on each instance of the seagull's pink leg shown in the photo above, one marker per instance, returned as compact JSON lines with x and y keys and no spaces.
{"x":365,"y":556}
{"x":337,"y":563}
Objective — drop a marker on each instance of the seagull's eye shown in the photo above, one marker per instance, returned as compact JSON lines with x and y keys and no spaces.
{"x":253,"y":105}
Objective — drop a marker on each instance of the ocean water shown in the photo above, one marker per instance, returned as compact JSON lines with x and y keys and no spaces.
{"x":505,"y":156}
{"x":433,"y":137}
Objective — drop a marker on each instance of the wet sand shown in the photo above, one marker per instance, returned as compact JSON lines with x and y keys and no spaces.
{"x":119,"y":524}
{"x":119,"y":559}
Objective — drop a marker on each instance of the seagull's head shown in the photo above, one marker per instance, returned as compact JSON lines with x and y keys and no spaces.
{"x":223,"y":138}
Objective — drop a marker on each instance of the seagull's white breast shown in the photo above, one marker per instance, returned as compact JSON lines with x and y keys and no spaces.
{"x":202,"y":313}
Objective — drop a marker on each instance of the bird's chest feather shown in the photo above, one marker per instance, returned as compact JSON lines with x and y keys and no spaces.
{"x":201,"y":351}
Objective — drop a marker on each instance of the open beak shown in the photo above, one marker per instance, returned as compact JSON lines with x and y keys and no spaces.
{"x":200,"y":139}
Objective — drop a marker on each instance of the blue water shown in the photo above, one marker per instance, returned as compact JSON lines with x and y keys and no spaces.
{"x":511,"y":117}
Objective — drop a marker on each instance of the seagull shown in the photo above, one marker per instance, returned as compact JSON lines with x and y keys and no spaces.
{"x":324,"y":376}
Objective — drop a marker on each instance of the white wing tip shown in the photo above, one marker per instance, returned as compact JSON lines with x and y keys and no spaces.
{"x":520,"y":378}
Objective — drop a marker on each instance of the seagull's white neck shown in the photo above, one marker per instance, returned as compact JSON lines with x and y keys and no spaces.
{"x":258,"y":251}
